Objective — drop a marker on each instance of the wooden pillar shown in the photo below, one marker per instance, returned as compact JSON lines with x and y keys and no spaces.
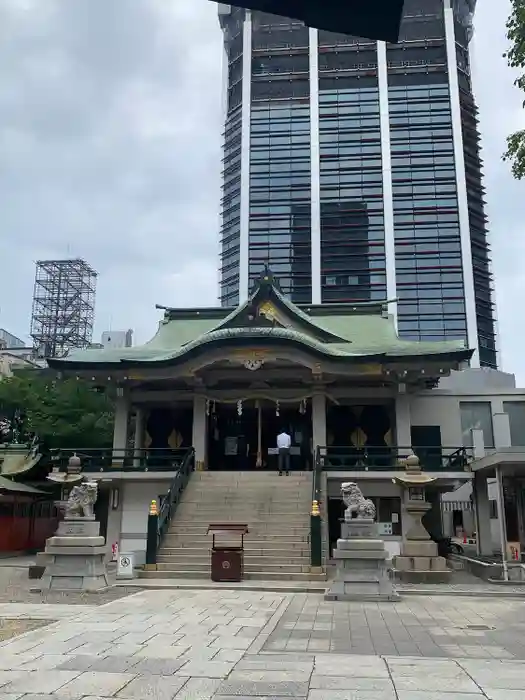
{"x":200,"y":432}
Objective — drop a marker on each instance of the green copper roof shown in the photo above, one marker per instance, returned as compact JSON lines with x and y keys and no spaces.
{"x":353,"y":332}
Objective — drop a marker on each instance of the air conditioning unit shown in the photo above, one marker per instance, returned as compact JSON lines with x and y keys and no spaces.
{"x":371,"y":19}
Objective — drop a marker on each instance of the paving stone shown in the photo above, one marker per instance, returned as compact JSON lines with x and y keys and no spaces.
{"x":349,"y":683}
{"x":153,"y":687}
{"x":353,"y":695}
{"x":270,"y":676}
{"x":198,"y":689}
{"x":425,"y":695}
{"x":10,"y":662}
{"x":10,"y":696}
{"x":285,"y":689}
{"x":351,"y":670}
{"x":44,"y":663}
{"x":440,"y":670}
{"x":157,"y":667}
{"x":40,"y":681}
{"x":95,"y":683}
{"x":231,"y":655}
{"x":157,"y":652}
{"x":281,"y":663}
{"x":7,"y":677}
{"x":259,"y":697}
{"x":114,"y":664}
{"x":498,"y":694}
{"x":435,"y":684}
{"x":241,"y":643}
{"x":206,"y":669}
{"x":81,"y":662}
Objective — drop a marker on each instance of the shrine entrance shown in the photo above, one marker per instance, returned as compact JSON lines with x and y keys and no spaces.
{"x":243,"y":435}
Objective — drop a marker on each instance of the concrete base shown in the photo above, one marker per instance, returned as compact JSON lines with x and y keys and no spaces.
{"x":423,"y":576}
{"x":419,"y":563}
{"x":74,"y":558}
{"x":362,"y":572}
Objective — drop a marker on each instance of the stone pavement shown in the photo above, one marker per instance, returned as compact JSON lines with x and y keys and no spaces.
{"x":204,"y":645}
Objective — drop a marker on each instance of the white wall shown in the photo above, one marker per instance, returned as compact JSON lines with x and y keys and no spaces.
{"x":136,"y":499}
{"x":440,"y":406}
{"x":439,"y":410}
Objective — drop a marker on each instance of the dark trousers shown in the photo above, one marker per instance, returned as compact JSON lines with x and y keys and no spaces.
{"x":284,"y":459}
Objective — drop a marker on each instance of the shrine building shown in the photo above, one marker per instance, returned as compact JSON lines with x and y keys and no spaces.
{"x":221,"y":383}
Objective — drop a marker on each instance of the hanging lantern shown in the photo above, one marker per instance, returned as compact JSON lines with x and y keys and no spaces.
{"x":207,"y":407}
{"x":213,"y":407}
{"x":239,"y":407}
{"x":371,"y":19}
{"x":302,"y":407}
{"x":277,"y":411}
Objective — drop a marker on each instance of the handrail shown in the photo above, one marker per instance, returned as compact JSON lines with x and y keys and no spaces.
{"x":316,"y":542}
{"x":108,"y":459}
{"x":431,"y":458}
{"x":159,"y":520}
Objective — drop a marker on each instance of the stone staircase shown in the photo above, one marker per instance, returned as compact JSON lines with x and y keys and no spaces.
{"x":275,"y":508}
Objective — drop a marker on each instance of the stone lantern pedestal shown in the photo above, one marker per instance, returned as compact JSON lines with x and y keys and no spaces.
{"x":419,"y":561}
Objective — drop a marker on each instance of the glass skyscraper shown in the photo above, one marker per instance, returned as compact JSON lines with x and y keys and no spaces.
{"x":353,"y":169}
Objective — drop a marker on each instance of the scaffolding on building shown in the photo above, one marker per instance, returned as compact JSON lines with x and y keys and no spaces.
{"x":63,"y":306}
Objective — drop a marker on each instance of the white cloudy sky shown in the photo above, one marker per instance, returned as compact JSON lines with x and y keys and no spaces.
{"x":110,"y":150}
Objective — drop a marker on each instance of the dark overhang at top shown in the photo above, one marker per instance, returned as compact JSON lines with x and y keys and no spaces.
{"x":379,"y":20}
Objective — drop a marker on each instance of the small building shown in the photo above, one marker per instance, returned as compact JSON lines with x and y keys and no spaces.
{"x":354,"y":397}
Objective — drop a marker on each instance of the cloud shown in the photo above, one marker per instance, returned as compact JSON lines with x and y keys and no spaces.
{"x":501,"y":113}
{"x":110,"y":149}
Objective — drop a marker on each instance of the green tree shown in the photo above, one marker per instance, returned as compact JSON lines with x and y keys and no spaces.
{"x":63,"y":413}
{"x":515,"y":152}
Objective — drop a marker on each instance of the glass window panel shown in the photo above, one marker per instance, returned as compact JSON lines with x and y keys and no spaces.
{"x":476,"y":415}
{"x":516,"y":413}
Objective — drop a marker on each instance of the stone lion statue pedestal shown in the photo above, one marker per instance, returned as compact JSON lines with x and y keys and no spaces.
{"x":75,"y":555}
{"x":361,"y":558}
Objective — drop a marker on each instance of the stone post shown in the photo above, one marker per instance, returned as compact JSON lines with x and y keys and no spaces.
{"x":482,"y":504}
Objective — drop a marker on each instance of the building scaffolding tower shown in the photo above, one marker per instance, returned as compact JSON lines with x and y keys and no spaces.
{"x":63,"y":306}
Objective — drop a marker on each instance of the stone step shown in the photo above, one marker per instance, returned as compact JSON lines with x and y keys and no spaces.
{"x":268,"y":551}
{"x":267,"y":531}
{"x":284,"y":519}
{"x":277,"y":541}
{"x":203,"y":557}
{"x":302,"y":567}
{"x":221,"y":501}
{"x":249,"y":575}
{"x":210,"y":475}
{"x":255,"y":496}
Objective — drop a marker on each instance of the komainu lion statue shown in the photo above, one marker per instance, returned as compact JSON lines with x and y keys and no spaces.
{"x":82,"y":499}
{"x":357,"y":506}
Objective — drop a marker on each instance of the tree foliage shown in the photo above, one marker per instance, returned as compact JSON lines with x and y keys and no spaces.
{"x":515,"y":153}
{"x":62,"y":413}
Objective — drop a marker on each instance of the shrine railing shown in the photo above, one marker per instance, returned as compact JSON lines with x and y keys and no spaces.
{"x":160,"y":516}
{"x":391,"y":458}
{"x":110,"y":460}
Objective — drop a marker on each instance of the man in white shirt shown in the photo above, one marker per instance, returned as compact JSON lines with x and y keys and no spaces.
{"x":284,"y":442}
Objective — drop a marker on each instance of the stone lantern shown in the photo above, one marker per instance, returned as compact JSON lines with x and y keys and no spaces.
{"x":419,"y":561}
